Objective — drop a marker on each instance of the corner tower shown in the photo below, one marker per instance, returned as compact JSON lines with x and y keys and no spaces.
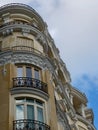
{"x":36,"y":93}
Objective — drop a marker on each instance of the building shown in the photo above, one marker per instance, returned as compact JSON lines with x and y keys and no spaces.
{"x":35,"y":86}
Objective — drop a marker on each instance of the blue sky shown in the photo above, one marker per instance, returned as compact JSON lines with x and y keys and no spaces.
{"x":74,"y":26}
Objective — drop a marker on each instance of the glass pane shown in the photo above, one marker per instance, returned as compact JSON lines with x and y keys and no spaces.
{"x":39,"y":102}
{"x":20,"y":100}
{"x":29,"y":100}
{"x":40,"y":116}
{"x":19,"y":72}
{"x":30,"y":112}
{"x":28,"y":72}
{"x":36,"y":74}
{"x":19,"y":112}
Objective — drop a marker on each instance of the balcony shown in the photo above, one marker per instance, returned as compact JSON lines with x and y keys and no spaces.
{"x":27,"y":124}
{"x":26,"y":82}
{"x":10,"y":27}
{"x":85,"y":121}
{"x":78,"y":96}
{"x":27,"y":49}
{"x":15,"y":23}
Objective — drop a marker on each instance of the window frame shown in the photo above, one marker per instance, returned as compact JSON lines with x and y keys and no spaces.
{"x":34,"y":104}
{"x":33,"y":68}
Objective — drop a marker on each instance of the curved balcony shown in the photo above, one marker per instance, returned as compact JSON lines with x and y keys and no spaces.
{"x":5,"y":25}
{"x":9,"y":27}
{"x":22,"y":8}
{"x":27,"y":49}
{"x":26,"y":82}
{"x":27,"y":124}
{"x":77,"y":94}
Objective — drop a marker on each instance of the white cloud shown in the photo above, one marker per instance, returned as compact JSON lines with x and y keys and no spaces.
{"x":87,"y":83}
{"x":3,"y":2}
{"x":77,"y":27}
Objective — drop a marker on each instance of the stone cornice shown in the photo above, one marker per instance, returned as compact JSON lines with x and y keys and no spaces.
{"x":22,"y":8}
{"x":6,"y":29}
{"x":24,"y":90}
{"x":26,"y":57}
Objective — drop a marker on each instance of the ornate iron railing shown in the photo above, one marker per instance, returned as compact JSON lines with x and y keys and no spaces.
{"x":27,"y":124}
{"x":30,"y":82}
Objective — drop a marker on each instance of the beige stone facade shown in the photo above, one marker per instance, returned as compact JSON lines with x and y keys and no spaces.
{"x":35,"y":86}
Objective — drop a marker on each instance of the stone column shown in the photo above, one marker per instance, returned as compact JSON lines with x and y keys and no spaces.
{"x":71,"y":98}
{"x":82,"y":110}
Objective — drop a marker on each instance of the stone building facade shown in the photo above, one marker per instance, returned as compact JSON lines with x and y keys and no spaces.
{"x":35,"y":86}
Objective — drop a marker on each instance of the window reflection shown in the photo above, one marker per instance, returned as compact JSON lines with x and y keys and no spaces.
{"x":30,"y":112}
{"x":40,"y":114}
{"x":19,"y":112}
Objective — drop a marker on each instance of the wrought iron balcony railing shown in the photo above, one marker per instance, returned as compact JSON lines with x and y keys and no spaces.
{"x":27,"y":124}
{"x":30,"y":82}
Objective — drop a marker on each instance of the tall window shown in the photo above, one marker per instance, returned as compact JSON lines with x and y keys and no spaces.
{"x":19,"y":71}
{"x":27,"y":108}
{"x":28,"y":72}
{"x":36,"y":74}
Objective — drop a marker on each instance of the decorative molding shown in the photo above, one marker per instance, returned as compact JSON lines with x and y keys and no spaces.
{"x":24,"y":90}
{"x":25,"y":31}
{"x":29,"y":58}
{"x":62,"y":117}
{"x":7,"y":32}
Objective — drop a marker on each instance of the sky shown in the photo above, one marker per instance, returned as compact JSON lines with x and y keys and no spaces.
{"x":73,"y":25}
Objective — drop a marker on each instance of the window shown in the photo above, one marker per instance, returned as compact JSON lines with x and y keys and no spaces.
{"x":28,"y":72}
{"x":27,"y":108}
{"x":19,"y":72}
{"x":36,"y":74}
{"x":19,"y":112}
